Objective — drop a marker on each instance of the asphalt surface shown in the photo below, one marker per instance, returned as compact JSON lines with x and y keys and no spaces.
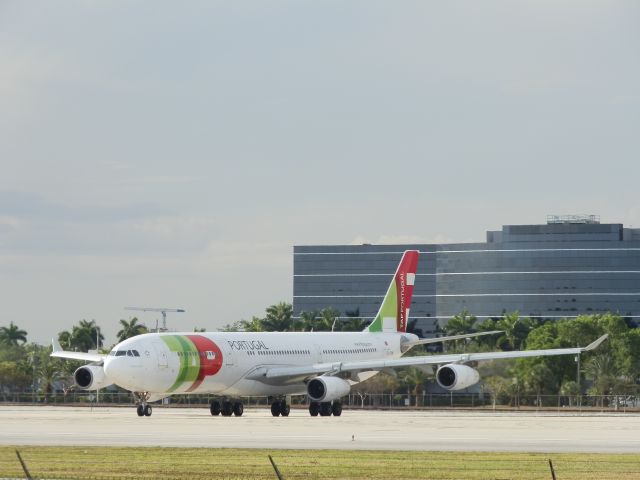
{"x":356,"y":429}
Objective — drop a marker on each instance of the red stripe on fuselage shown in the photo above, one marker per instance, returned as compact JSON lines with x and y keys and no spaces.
{"x":208,"y":366}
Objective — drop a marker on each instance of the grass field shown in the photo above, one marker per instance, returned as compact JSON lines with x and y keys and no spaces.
{"x":219,"y":463}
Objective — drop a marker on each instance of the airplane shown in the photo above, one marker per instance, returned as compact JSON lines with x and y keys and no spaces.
{"x":322,"y":365}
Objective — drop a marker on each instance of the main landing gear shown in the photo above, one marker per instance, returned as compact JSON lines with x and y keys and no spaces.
{"x":226,"y":408}
{"x":280,"y":407}
{"x":325,"y":409}
{"x":143,"y":409}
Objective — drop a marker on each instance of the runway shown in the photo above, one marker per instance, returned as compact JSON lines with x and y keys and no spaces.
{"x":355,"y":429}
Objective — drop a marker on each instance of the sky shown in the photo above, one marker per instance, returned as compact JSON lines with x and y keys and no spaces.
{"x":171,"y":154}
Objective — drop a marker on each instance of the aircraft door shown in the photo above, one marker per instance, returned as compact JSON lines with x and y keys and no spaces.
{"x":228,"y":355}
{"x":161,"y":352}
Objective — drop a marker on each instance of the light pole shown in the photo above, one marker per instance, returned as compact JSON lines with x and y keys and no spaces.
{"x":578,"y":379}
{"x":98,"y":351}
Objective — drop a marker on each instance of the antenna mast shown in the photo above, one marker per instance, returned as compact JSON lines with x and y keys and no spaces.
{"x":161,"y":310}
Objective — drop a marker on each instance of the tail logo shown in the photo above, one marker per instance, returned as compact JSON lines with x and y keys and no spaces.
{"x":394,"y":311}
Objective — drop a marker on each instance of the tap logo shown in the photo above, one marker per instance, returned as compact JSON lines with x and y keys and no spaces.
{"x":199,"y":358}
{"x":401,"y":310}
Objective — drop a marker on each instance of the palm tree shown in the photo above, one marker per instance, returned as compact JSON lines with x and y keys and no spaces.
{"x":278,"y":317}
{"x":253,"y":325}
{"x":414,"y":379}
{"x":508,"y":324}
{"x":536,"y":378}
{"x":326,"y":320}
{"x":496,"y":386}
{"x":49,"y":372}
{"x":353,"y":322}
{"x":82,"y":336}
{"x":605,"y":374}
{"x":12,"y":335}
{"x":85,"y":335}
{"x":461,"y":323}
{"x":130,"y":329}
{"x":306,"y":321}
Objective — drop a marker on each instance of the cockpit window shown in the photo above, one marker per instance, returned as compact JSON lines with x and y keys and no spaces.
{"x":121,"y":353}
{"x":135,"y":353}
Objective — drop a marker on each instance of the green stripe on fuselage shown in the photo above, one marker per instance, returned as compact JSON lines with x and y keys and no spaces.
{"x":189,"y":359}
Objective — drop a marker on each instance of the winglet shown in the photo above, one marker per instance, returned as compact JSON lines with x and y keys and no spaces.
{"x":56,"y":345}
{"x":596,"y":343}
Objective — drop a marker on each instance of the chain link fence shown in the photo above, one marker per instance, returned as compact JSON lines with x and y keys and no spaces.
{"x":615,"y":403}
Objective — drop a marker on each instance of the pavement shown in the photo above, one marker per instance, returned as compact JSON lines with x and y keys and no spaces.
{"x":356,"y":429}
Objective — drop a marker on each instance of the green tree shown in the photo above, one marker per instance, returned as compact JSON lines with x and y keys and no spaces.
{"x":496,"y":386}
{"x":536,"y":379}
{"x":327,"y":319}
{"x":413,"y":379}
{"x":14,"y":376}
{"x":461,"y":323}
{"x":253,"y":325}
{"x":605,"y":374}
{"x":232,"y":327}
{"x":49,"y":371}
{"x":12,"y":335}
{"x":278,"y":318}
{"x":509,"y":324}
{"x":571,"y":390}
{"x":82,"y":336}
{"x":306,"y":321}
{"x":130,"y":329}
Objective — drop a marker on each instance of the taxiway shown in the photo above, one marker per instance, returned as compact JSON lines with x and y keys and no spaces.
{"x":355,"y":429}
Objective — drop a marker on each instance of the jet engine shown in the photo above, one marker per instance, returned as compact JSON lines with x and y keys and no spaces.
{"x":326,"y":389}
{"x":456,"y":377}
{"x":91,"y":377}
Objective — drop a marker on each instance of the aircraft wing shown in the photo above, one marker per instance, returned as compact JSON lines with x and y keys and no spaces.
{"x":333,"y":368}
{"x":58,"y":352}
{"x":425,"y":341}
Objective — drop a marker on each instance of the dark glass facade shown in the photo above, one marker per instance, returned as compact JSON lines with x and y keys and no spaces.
{"x":555,"y":270}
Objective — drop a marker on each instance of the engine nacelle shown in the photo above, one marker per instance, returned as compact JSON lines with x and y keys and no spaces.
{"x":91,"y":377}
{"x":454,"y":377}
{"x":326,"y":389}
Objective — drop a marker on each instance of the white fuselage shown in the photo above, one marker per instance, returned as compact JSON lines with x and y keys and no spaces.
{"x":223,"y":362}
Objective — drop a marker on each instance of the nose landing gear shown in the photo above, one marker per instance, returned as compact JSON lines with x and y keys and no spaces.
{"x":143,"y":409}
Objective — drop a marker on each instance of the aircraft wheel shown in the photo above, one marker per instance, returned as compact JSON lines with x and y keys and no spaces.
{"x":285,"y":409}
{"x":276,"y":408}
{"x":227,"y":408}
{"x":215,"y":408}
{"x":140,"y":410}
{"x":325,"y":409}
{"x":314,"y":409}
{"x":147,"y":410}
{"x":336,"y":408}
{"x":238,"y":409}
